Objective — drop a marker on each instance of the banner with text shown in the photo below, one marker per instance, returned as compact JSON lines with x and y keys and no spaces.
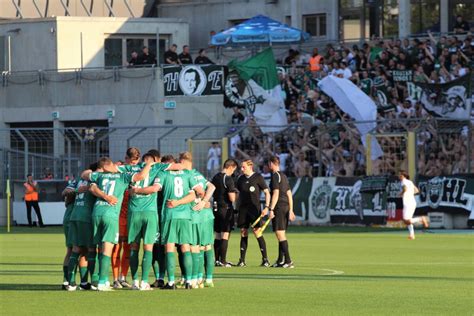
{"x":351,"y":200}
{"x":193,"y":80}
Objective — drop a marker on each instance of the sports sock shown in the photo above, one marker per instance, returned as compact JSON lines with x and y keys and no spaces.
{"x":411,"y":231}
{"x":91,"y":263}
{"x":83,"y":272}
{"x":284,"y":246}
{"x":195,"y":265}
{"x":263,"y":247}
{"x":146,"y":265}
{"x":217,"y":249}
{"x":201,"y":265}
{"x":223,"y":254}
{"x":162,"y":262}
{"x":170,"y":266}
{"x":134,"y":264}
{"x":116,"y":261}
{"x":98,"y":258}
{"x":416,"y":220}
{"x":188,"y":265}
{"x":280,"y":253}
{"x":65,"y":274}
{"x":125,"y":262}
{"x":104,"y":267}
{"x":244,"y":241}
{"x":72,"y":265}
{"x":210,"y":259}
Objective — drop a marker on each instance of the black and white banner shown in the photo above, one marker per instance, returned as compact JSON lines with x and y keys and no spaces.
{"x":449,"y":100}
{"x":193,"y":80}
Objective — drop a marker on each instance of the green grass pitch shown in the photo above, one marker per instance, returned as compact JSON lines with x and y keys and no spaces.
{"x":338,"y":271}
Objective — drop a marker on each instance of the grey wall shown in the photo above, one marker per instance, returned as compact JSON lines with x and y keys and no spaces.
{"x":205,"y":16}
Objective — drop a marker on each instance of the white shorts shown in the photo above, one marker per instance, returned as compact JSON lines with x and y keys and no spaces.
{"x":408,"y":211}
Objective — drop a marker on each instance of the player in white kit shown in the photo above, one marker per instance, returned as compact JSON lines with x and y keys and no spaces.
{"x":409,"y":204}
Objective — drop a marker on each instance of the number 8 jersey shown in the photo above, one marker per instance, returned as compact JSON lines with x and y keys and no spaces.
{"x":176,"y":185}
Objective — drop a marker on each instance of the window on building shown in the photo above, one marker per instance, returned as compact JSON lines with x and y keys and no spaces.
{"x":425,"y":16}
{"x":118,"y":48}
{"x":463,"y":8}
{"x":315,"y":24}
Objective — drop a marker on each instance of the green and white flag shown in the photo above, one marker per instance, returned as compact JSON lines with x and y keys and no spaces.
{"x":262,"y":94}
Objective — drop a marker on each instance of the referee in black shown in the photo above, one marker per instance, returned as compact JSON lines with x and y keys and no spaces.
{"x":224,"y":196}
{"x":250,"y":184}
{"x":281,"y":210}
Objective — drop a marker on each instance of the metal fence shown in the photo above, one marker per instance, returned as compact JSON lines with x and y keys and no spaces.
{"x":308,"y":149}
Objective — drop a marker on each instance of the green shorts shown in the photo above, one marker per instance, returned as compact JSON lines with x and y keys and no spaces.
{"x":66,"y":234}
{"x":203,"y":233}
{"x":177,"y":231}
{"x":80,"y":234}
{"x":142,"y":225}
{"x":106,"y":229}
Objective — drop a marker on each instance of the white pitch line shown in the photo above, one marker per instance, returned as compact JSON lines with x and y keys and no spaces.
{"x":331,"y":271}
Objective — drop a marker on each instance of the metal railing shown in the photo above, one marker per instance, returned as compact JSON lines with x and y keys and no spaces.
{"x":325,"y":149}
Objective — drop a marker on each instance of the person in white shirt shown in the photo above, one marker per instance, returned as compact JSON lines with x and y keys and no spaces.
{"x":409,"y":204}
{"x":213,"y":159}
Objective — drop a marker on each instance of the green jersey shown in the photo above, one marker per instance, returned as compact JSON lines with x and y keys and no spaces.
{"x":144,"y":202}
{"x":111,"y":184}
{"x":136,"y":168}
{"x":83,"y":205}
{"x":176,"y":185}
{"x":205,"y":214}
{"x":69,"y":206}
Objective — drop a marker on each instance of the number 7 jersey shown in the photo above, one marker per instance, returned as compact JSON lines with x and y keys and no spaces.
{"x":176,"y":185}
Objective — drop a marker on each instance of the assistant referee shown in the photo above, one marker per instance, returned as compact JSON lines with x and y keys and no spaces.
{"x":281,"y":210}
{"x":250,"y":184}
{"x":224,"y":196}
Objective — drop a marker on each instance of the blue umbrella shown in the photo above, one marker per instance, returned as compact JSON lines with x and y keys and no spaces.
{"x":259,"y":29}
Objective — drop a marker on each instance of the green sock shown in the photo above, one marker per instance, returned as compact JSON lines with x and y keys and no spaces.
{"x":201,"y":265}
{"x":134,"y":264}
{"x":95,"y":276}
{"x":188,"y":265}
{"x":83,"y":272}
{"x":65,"y":274}
{"x":91,"y":263}
{"x":170,"y":266}
{"x":156,"y":269}
{"x":146,"y":264}
{"x":104,"y":267}
{"x":72,"y":267}
{"x":195,"y":258}
{"x":210,"y":259}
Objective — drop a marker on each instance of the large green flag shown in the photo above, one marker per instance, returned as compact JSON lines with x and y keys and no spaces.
{"x":262,"y":96}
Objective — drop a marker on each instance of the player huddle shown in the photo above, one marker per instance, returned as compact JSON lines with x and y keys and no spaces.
{"x":165,"y":205}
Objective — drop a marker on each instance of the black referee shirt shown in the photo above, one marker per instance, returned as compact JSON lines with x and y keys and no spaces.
{"x":279,"y":181}
{"x":224,"y":185}
{"x":249,"y":190}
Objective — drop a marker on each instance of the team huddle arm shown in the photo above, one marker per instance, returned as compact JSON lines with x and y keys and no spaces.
{"x":185,"y":200}
{"x":148,"y":190}
{"x":143,"y":173}
{"x":205,"y":200}
{"x":86,"y":174}
{"x":94,"y":189}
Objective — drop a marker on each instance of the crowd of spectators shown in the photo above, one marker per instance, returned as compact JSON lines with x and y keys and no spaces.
{"x":326,"y":141}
